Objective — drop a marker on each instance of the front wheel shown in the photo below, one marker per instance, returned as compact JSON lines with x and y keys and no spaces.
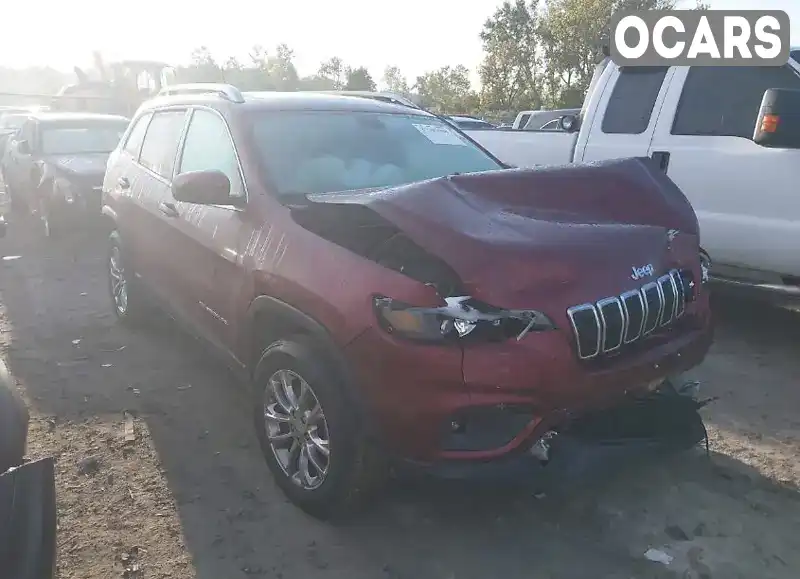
{"x":312,"y":443}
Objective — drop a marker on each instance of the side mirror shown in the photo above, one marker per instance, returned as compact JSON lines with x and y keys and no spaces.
{"x":778,"y":123}
{"x":568,"y":123}
{"x":203,"y":187}
{"x":23,"y":147}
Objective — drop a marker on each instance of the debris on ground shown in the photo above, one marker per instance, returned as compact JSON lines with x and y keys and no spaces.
{"x":130,"y":433}
{"x":89,"y":465}
{"x":658,"y":556}
{"x":675,"y":533}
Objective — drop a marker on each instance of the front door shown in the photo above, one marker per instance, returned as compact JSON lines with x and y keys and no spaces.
{"x":211,"y":275}
{"x":746,"y":197}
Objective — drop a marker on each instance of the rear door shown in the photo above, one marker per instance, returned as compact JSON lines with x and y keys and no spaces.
{"x":152,"y":211}
{"x":746,"y":197}
{"x":627,"y":113}
{"x":123,"y":184}
{"x":210,"y":271}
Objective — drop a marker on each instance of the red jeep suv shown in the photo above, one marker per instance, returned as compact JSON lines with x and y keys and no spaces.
{"x":398,"y":297}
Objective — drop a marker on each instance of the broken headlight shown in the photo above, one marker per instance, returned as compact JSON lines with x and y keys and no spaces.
{"x":462,"y":318}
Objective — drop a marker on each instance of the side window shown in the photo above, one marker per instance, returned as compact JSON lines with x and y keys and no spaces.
{"x":208,"y":146}
{"x":551,"y":125}
{"x":725,"y":100}
{"x":632,"y":100}
{"x":160,"y":146}
{"x":135,"y":138}
{"x":523,"y":121}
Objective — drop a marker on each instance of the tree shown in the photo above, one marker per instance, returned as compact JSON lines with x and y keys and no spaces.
{"x":204,"y":68}
{"x":335,"y":71}
{"x":447,"y":90}
{"x":572,"y":34}
{"x":394,"y":81}
{"x":359,"y":79}
{"x":509,"y":71}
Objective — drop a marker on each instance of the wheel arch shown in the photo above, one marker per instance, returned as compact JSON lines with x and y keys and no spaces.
{"x":269,"y":319}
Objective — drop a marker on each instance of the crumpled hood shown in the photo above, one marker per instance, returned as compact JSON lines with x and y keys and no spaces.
{"x":570,"y":233}
{"x":90,"y":165}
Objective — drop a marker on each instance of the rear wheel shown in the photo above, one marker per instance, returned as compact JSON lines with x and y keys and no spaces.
{"x":309,"y":435}
{"x":127,"y":300}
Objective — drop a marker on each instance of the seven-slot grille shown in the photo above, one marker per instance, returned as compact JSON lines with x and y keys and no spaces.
{"x":610,"y":323}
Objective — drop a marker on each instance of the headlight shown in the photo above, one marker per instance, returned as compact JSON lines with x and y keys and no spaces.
{"x":462,"y":318}
{"x":64,"y":188}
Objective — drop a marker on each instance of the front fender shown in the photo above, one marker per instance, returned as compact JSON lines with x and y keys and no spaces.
{"x":28,"y":521}
{"x":281,"y":320}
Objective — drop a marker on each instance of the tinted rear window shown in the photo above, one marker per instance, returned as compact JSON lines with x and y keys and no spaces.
{"x":631,"y":104}
{"x":161,"y":141}
{"x":725,"y":100}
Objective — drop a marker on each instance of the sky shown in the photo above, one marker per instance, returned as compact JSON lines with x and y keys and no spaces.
{"x":416,"y":35}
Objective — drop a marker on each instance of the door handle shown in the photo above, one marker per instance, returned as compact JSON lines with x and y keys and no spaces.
{"x":168,"y":209}
{"x":662,"y":159}
{"x":123,"y":183}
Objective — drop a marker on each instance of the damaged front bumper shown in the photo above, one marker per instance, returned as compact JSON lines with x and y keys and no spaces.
{"x":589,"y":446}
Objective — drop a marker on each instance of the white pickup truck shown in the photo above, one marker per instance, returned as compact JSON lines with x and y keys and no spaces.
{"x":706,"y":128}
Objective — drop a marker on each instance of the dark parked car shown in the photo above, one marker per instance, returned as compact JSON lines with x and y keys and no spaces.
{"x":395,"y":297}
{"x":55,"y":162}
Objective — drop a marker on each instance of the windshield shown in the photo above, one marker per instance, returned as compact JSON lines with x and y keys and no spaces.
{"x":83,"y":139}
{"x":8,"y":121}
{"x":324,"y":152}
{"x":795,"y":54}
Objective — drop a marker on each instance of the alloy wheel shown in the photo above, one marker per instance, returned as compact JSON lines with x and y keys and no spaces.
{"x":119,"y":285}
{"x":296,"y":429}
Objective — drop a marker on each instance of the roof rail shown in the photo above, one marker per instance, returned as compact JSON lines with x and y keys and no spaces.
{"x":376,"y":95}
{"x":226,"y":91}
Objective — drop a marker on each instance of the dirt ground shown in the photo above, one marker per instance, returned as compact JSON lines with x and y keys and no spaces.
{"x":190,"y":495}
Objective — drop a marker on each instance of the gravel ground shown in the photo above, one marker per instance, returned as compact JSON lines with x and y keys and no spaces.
{"x":159,"y":474}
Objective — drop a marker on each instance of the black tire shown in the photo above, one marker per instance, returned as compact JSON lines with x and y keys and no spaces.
{"x":13,"y":423}
{"x":355,"y":470}
{"x":136,"y":308}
